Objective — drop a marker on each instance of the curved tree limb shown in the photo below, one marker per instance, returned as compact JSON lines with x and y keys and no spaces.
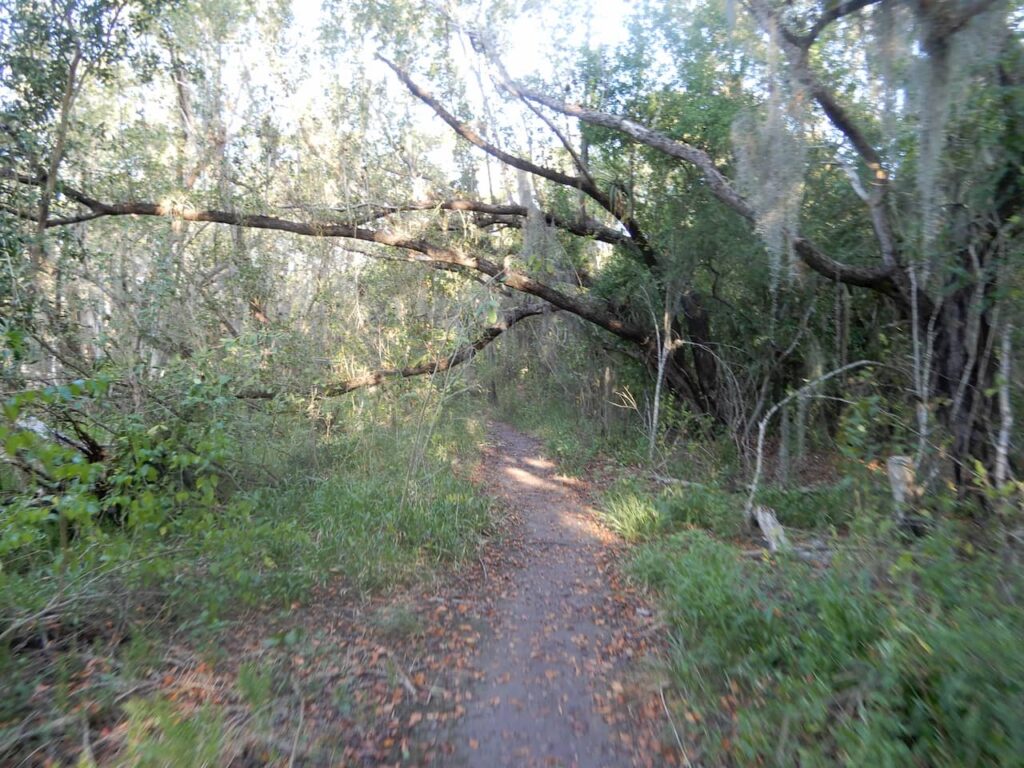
{"x":719,"y":185}
{"x":474,"y":138}
{"x":829,"y":17}
{"x":878,"y":278}
{"x":583,"y":183}
{"x":589,"y":309}
{"x":497,"y":213}
{"x":487,"y":214}
{"x":461,"y":355}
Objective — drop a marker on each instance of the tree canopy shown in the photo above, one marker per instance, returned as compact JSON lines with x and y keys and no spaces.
{"x":738,"y":195}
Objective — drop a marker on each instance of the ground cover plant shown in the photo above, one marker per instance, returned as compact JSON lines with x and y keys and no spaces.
{"x":906,"y":657}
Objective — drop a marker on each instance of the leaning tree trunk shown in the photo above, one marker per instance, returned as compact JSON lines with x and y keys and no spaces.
{"x":966,"y":358}
{"x":965,"y":371}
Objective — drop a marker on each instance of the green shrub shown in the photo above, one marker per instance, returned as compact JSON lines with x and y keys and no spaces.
{"x":841,"y":667}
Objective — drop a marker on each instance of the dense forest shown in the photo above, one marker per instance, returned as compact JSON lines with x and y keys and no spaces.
{"x":277,"y":277}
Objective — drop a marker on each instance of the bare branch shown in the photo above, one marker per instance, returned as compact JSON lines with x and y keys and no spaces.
{"x":584,"y":184}
{"x":763,"y":425}
{"x":477,"y":140}
{"x":505,"y":214}
{"x":877,"y":278}
{"x":796,"y":53}
{"x":461,"y":355}
{"x":716,"y":180}
{"x":830,"y":16}
{"x":587,"y":308}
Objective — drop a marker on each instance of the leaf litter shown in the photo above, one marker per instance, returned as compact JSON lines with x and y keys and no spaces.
{"x":528,"y":656}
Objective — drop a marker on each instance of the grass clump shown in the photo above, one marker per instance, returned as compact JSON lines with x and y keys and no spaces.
{"x":910,"y":660}
{"x":629,"y":511}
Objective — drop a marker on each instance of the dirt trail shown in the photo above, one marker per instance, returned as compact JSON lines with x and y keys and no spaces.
{"x":544,"y":691}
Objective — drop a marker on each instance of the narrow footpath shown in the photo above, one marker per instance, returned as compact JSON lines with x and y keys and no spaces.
{"x":547,"y":693}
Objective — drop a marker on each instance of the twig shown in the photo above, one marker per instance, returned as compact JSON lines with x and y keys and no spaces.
{"x":675,"y":731}
{"x":298,"y":731}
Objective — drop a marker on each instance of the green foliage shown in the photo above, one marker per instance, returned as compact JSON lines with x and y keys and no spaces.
{"x":48,"y":50}
{"x":366,"y":504}
{"x":869,"y":430}
{"x":630,"y":510}
{"x":148,"y":475}
{"x":161,"y":736}
{"x":627,"y":509}
{"x":256,"y":685}
{"x":702,"y":507}
{"x":816,"y":508}
{"x":917,"y":664}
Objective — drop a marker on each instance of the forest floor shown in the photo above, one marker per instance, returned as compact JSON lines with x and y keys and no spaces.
{"x":538,"y":654}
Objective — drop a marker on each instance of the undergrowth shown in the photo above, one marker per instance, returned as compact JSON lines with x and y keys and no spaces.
{"x":188,"y":524}
{"x":637,"y":513}
{"x":900,"y":649}
{"x":891,"y":656}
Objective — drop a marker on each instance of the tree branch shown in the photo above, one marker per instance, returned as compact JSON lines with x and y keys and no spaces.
{"x":585,"y":185}
{"x":494,"y":213}
{"x":830,"y":16}
{"x":877,"y":278}
{"x":461,"y":355}
{"x":796,"y":52}
{"x":716,"y":180}
{"x":589,"y":309}
{"x":477,"y":140}
{"x":796,"y":48}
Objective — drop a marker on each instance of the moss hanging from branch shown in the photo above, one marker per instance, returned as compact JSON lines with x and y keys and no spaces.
{"x":955,"y":49}
{"x":771,"y":154}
